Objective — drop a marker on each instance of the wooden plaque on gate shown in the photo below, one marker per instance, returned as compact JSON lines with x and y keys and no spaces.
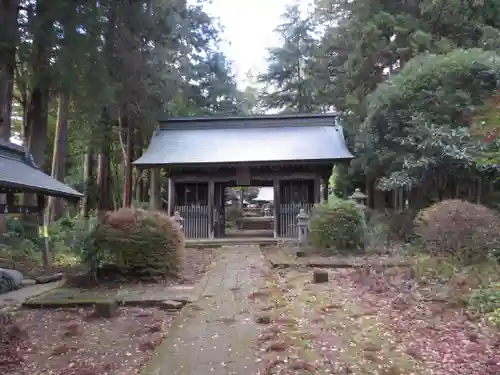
{"x":242,"y":176}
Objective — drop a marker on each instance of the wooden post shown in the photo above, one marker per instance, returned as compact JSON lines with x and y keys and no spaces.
{"x":171,"y":197}
{"x":326,"y":181}
{"x":10,"y":200}
{"x":277,"y":202}
{"x":317,"y":189}
{"x":211,"y":213}
{"x":43,"y":235}
{"x":155,"y":189}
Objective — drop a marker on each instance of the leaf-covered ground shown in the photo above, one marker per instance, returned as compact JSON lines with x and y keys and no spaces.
{"x":367,"y":321}
{"x":196,"y":263}
{"x":73,"y":342}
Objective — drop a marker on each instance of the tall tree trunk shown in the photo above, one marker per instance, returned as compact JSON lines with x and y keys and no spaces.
{"x":88,"y":178}
{"x":38,"y":101}
{"x":129,"y":155}
{"x":37,"y":118}
{"x":8,"y":42}
{"x":55,"y":206}
{"x":104,"y":200}
{"x":139,"y":177}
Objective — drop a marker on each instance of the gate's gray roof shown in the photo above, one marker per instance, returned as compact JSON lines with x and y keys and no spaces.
{"x":212,"y":140}
{"x":18,"y":171}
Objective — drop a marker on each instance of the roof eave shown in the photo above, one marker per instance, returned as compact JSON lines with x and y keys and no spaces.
{"x":138,"y":163}
{"x":33,"y":190}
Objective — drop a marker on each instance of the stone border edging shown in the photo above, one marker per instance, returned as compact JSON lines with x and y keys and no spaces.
{"x":89,"y":303}
{"x":333,"y":263}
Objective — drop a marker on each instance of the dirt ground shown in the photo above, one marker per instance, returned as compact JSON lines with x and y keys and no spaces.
{"x":73,"y":342}
{"x":364,"y":322}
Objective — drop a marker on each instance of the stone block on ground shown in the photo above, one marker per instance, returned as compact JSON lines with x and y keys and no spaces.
{"x":50,"y":278}
{"x":170,"y":305}
{"x":10,"y":280}
{"x":106,"y":309}
{"x":28,"y":282}
{"x":320,"y":277}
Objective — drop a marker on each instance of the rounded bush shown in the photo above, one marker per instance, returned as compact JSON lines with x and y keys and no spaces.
{"x":453,"y":227}
{"x":339,"y":225}
{"x":138,"y":242}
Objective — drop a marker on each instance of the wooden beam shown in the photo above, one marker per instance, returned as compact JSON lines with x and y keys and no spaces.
{"x":256,"y":178}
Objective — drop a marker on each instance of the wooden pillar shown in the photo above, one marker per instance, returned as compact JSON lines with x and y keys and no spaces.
{"x":277,"y":202}
{"x":171,"y":197}
{"x":211,"y":213}
{"x":155,"y":189}
{"x":317,"y":189}
{"x":326,"y":181}
{"x":44,"y":240}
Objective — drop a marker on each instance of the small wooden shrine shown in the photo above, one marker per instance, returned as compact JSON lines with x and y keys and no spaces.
{"x":293,"y":154}
{"x":19,"y":175}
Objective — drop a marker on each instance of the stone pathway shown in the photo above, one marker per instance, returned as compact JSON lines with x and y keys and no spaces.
{"x":17,"y":297}
{"x":217,"y":334}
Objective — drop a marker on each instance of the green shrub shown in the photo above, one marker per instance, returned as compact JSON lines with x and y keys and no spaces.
{"x":494,"y":317}
{"x":486,"y":300}
{"x":465,"y":230}
{"x":233,"y":214}
{"x":387,"y":227}
{"x":139,"y":242}
{"x":67,"y":235}
{"x":339,"y":225}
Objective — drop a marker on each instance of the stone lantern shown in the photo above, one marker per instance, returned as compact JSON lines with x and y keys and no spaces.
{"x":359,"y":197}
{"x":303,"y":226}
{"x":179,"y":220}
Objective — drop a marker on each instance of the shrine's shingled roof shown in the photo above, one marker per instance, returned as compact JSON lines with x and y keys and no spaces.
{"x":19,"y":171}
{"x":257,"y":139}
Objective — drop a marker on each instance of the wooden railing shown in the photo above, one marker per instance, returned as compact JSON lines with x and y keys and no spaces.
{"x":288,"y":218}
{"x":196,"y":221}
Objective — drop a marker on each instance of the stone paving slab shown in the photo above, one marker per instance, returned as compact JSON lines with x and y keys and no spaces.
{"x":140,"y":295}
{"x":18,"y":297}
{"x":216,"y":335}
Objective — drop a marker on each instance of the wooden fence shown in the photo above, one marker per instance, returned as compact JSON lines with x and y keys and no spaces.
{"x":288,"y":218}
{"x":196,"y":221}
{"x":197,"y":224}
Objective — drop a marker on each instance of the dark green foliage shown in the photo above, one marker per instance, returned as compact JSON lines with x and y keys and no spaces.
{"x":233,"y":214}
{"x":495,"y":254}
{"x":391,"y":225}
{"x":486,"y":300}
{"x":339,"y":225}
{"x":290,"y":76}
{"x":139,"y":242}
{"x":462,"y":229}
{"x":20,"y":242}
{"x":67,"y":235}
{"x":365,"y":52}
{"x":418,"y":122}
